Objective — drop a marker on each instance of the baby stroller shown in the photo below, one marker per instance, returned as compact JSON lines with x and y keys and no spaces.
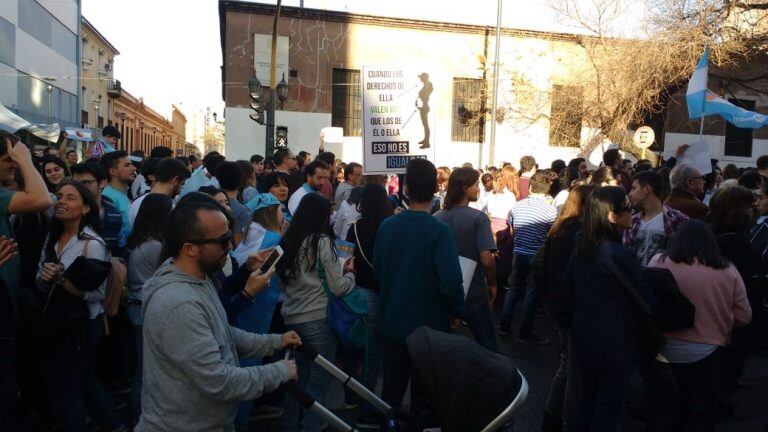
{"x":471,"y":388}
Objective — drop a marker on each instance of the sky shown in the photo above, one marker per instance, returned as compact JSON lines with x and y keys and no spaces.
{"x":170,"y":50}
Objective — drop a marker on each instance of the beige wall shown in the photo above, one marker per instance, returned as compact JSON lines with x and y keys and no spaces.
{"x":96,"y":63}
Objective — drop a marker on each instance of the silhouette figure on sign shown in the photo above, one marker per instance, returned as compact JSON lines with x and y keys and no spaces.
{"x":422,"y":104}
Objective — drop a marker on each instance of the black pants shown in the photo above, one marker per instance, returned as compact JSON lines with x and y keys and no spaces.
{"x":684,"y":395}
{"x":397,"y":368}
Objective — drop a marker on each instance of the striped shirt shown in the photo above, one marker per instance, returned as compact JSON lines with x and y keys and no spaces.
{"x":531,"y":219}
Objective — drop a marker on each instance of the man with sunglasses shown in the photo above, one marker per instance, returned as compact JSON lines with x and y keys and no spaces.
{"x":192,"y":378}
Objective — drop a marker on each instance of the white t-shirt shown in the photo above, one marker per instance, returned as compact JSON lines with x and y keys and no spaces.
{"x":500,"y":204}
{"x":135,"y":206}
{"x":295,"y":199}
{"x":650,"y":239}
{"x":560,"y":199}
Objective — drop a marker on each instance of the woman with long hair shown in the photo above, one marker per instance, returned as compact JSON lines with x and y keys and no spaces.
{"x":692,"y":355}
{"x":374,"y":207}
{"x":310,"y":262}
{"x":72,"y":323}
{"x":54,"y":171}
{"x":146,"y":246}
{"x":551,"y":262}
{"x":732,"y":215}
{"x":443,"y":173}
{"x":606,"y":323}
{"x":604,"y":176}
{"x":506,"y":191}
{"x":247,"y":188}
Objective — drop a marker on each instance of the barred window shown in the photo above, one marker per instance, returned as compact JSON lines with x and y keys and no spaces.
{"x":468,"y":118}
{"x":346,"y":100}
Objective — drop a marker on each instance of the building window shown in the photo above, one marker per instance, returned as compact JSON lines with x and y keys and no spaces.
{"x":101,"y":122}
{"x":36,"y":21}
{"x":468,"y":118}
{"x":84,"y":116}
{"x":738,"y":141}
{"x":7,"y":43}
{"x":347,"y":109}
{"x":566,"y":115}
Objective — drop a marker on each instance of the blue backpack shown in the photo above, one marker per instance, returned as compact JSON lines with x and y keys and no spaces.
{"x":346,"y":315}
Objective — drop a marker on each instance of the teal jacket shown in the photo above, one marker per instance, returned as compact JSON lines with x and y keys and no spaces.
{"x":417,"y":266}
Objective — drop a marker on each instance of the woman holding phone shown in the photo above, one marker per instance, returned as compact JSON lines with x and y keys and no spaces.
{"x":264,"y":233}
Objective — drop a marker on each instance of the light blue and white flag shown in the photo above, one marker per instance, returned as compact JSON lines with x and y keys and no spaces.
{"x":702,"y":102}
{"x":696,"y":94}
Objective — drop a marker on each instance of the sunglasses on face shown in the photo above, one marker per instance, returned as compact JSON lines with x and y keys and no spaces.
{"x":222,"y":241}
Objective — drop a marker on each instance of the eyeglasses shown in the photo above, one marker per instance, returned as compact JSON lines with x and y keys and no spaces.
{"x":222,"y":241}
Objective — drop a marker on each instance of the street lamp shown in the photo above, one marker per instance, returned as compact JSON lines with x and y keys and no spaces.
{"x":121,"y":116}
{"x":97,"y":107}
{"x":267,"y":104}
{"x":50,"y":90}
{"x":282,"y":91}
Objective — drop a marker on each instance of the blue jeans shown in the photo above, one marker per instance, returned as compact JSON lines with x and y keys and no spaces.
{"x":601,"y":399}
{"x":480,"y":322}
{"x":521,"y":285}
{"x":312,"y":378}
{"x":137,"y":321}
{"x":372,"y":355}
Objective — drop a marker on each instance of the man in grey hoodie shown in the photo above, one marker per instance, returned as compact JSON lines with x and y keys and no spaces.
{"x":192,"y":379}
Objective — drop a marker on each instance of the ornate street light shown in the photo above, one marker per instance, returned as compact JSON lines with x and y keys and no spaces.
{"x":282,"y":91}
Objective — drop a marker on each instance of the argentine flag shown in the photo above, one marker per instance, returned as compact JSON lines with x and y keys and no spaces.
{"x":696,"y":94}
{"x":702,"y":102}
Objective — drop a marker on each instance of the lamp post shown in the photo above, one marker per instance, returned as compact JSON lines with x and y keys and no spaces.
{"x":50,"y":90}
{"x":121,"y":116}
{"x":258,"y":93}
{"x":141,"y":133}
{"x":97,"y":107}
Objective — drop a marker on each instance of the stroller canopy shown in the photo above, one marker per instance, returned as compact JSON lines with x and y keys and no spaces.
{"x":467,"y":385}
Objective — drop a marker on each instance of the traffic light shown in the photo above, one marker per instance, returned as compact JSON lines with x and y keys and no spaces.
{"x":281,"y":137}
{"x":258,"y":107}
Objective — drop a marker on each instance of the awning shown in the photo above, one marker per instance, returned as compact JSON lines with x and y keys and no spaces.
{"x":11,"y":122}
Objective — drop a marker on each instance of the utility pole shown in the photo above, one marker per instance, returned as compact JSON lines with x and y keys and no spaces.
{"x":492,"y":147}
{"x":270,"y":145}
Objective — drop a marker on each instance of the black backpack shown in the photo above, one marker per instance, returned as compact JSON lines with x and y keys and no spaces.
{"x":674,"y":310}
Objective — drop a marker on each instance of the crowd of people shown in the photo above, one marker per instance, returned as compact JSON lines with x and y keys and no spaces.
{"x":140,"y":275}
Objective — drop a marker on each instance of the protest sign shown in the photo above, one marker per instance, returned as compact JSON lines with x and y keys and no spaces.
{"x":397,"y":122}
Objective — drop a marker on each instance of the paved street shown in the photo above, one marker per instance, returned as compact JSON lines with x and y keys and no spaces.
{"x":538,"y":364}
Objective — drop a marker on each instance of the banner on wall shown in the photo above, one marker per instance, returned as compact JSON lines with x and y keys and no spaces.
{"x":397,"y":117}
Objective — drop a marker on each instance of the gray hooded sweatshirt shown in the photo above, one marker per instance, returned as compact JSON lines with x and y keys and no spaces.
{"x":192,"y":378}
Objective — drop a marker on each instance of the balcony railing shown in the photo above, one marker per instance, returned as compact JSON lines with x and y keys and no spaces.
{"x":114,"y":88}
